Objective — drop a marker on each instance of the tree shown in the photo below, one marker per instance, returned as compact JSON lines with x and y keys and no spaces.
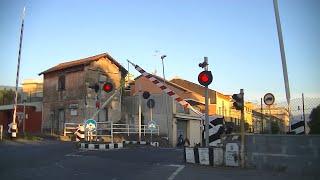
{"x":7,"y":96}
{"x":274,"y":127}
{"x":314,"y":122}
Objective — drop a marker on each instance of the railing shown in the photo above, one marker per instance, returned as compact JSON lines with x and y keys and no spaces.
{"x":70,"y":128}
{"x":133,"y":129}
{"x":1,"y":131}
{"x":107,"y":129}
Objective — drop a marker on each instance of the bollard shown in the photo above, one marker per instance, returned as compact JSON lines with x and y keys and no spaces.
{"x":14,"y":130}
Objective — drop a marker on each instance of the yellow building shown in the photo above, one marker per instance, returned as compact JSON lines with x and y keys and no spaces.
{"x":278,"y":112}
{"x":32,"y":89}
{"x":224,"y":107}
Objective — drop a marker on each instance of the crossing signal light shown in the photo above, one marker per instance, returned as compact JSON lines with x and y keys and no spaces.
{"x":205,"y":78}
{"x":146,"y":95}
{"x":107,"y":87}
{"x":96,"y":87}
{"x":239,"y":102}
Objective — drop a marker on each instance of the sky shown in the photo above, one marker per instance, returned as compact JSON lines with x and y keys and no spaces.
{"x":239,"y":38}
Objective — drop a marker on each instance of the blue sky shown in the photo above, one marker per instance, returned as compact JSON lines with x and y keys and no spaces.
{"x":239,"y":38}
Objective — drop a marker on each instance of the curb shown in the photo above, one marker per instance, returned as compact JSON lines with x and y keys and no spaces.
{"x":100,"y":146}
{"x":155,"y":144}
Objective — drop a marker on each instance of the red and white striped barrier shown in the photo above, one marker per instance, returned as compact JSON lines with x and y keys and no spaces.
{"x":164,"y":88}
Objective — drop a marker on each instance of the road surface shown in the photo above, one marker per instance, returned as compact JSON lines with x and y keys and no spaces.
{"x":56,"y":160}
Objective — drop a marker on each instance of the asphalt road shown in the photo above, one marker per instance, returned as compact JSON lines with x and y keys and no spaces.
{"x":60,"y":160}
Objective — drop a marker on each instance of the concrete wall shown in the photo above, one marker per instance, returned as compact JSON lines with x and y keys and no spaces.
{"x":288,"y":153}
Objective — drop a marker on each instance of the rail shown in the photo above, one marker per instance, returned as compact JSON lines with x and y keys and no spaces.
{"x":108,"y":129}
{"x":133,"y":129}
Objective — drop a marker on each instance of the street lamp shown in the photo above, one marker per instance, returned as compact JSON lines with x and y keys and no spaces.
{"x":165,"y":97}
{"x":164,"y":78}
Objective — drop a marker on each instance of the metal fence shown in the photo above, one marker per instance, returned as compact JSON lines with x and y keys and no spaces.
{"x":301,"y":109}
{"x":133,"y":129}
{"x":108,"y":129}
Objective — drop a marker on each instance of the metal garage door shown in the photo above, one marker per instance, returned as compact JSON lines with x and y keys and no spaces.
{"x":182,"y":128}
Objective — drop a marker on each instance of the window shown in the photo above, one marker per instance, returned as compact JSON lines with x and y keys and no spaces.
{"x":62,"y":83}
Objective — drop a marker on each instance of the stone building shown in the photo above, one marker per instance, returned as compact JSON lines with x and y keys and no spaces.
{"x":67,"y":97}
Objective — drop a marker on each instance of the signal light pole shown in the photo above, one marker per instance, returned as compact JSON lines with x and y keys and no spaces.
{"x":239,"y":105}
{"x":205,"y":78}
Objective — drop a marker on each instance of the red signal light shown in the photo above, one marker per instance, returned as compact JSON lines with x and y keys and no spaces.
{"x":205,"y":78}
{"x":107,"y":87}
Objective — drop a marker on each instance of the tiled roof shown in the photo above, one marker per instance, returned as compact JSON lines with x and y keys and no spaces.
{"x":85,"y":61}
{"x":192,"y":83}
{"x":167,"y":82}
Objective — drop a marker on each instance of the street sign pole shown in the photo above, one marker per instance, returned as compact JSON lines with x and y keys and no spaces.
{"x":150,"y":120}
{"x":24,"y":117}
{"x":139,"y":120}
{"x":270,"y":131}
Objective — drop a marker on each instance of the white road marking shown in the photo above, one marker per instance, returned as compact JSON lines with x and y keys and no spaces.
{"x":74,"y":154}
{"x":59,"y":165}
{"x":180,"y":168}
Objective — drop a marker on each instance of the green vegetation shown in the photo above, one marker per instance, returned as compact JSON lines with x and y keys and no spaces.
{"x":314,"y":123}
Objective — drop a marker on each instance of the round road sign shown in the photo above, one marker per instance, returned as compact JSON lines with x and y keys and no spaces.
{"x":152,"y":125}
{"x":90,"y":125}
{"x":268,"y":99}
{"x":151,"y":103}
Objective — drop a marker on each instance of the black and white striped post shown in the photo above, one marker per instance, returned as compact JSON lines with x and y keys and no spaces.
{"x":14,"y":124}
{"x":80,"y":133}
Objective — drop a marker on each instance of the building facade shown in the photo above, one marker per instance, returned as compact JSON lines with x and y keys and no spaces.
{"x":220,"y":104}
{"x":173,"y":119}
{"x":68,"y":98}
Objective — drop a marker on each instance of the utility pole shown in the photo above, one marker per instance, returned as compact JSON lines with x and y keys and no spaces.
{"x":283,"y":58}
{"x":242,"y":129}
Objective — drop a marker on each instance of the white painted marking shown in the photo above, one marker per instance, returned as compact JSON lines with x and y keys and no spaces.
{"x":176,"y":172}
{"x":74,"y":155}
{"x":59,"y":165}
